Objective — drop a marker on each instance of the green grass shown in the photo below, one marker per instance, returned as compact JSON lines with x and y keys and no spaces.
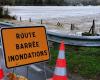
{"x":84,"y":61}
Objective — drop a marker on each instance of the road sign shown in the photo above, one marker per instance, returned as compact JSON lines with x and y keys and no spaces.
{"x":24,"y":45}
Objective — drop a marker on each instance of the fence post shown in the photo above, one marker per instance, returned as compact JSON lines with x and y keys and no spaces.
{"x":30,"y":20}
{"x":20,"y":18}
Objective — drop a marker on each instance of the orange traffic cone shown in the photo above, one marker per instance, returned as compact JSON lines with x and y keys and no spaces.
{"x":60,"y":72}
{"x":1,"y":74}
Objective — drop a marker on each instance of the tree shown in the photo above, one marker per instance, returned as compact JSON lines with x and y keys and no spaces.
{"x":60,"y":2}
{"x":1,"y":12}
{"x":93,"y":2}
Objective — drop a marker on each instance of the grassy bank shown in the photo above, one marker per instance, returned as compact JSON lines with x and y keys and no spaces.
{"x":84,"y":61}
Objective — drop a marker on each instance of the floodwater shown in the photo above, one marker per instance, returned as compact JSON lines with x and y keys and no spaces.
{"x":49,"y":12}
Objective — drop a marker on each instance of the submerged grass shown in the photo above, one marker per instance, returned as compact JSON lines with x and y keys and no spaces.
{"x":1,"y":20}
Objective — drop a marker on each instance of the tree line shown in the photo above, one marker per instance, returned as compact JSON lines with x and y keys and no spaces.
{"x":32,"y":2}
{"x":49,"y":2}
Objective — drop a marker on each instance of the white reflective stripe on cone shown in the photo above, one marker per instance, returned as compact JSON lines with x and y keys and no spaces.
{"x":60,"y":71}
{"x":61,"y":55}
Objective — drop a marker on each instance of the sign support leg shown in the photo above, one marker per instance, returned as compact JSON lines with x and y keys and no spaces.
{"x":45,"y":71}
{"x":13,"y":70}
{"x":27,"y":72}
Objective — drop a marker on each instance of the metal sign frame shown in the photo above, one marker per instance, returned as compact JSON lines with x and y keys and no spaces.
{"x":21,"y":28}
